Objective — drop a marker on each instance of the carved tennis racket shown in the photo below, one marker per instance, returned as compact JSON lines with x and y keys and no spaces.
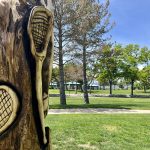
{"x":39,"y":30}
{"x":9,"y":105}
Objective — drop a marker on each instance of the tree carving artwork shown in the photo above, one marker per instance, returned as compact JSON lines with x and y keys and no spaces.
{"x":39,"y":30}
{"x":9,"y":105}
{"x":26,"y":54}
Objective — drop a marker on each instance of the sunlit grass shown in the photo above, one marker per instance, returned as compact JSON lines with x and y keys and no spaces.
{"x":128,"y":92}
{"x":102,"y":102}
{"x":99,"y":132}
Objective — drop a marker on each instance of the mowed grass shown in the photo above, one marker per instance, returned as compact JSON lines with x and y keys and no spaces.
{"x":101,"y":102}
{"x":124,"y":92}
{"x":99,"y":132}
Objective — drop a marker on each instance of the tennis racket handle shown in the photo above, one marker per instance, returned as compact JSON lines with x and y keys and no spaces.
{"x":39,"y":96}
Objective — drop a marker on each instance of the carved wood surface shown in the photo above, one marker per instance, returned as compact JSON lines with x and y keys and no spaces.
{"x":17,"y":70}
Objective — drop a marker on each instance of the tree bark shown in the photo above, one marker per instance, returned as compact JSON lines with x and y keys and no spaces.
{"x":114,"y":87}
{"x":86,"y":97}
{"x":17,"y":71}
{"x":104,"y":86}
{"x":144,"y":89}
{"x":61,"y":70}
{"x":76,"y":88}
{"x":132,"y":87}
{"x":110,"y":87}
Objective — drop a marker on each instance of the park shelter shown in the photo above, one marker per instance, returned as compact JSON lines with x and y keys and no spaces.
{"x":93,"y":85}
{"x":72,"y":85}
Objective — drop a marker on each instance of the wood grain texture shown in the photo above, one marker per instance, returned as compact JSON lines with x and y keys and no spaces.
{"x":16,"y":71}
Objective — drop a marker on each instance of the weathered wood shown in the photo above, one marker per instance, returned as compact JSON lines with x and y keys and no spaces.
{"x":18,"y":71}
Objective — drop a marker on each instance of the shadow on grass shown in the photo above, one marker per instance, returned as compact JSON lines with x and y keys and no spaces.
{"x":112,"y":106}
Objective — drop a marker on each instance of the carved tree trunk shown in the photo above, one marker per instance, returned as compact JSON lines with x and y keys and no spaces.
{"x":18,"y":73}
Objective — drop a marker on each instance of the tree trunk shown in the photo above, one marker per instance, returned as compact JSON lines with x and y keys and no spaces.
{"x":90,"y":89}
{"x":132,"y":87}
{"x":61,"y":70}
{"x":127,"y":87}
{"x":144,"y":89}
{"x":114,"y":87}
{"x":20,"y":122}
{"x":66,"y":87}
{"x":86,"y":97}
{"x":110,"y":87}
{"x":76,"y":88}
{"x":104,"y":86}
{"x":81,"y":88}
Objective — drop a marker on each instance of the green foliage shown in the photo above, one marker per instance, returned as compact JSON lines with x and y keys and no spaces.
{"x":145,"y":56}
{"x":55,"y":74}
{"x":108,"y":64}
{"x":123,"y":63}
{"x":145,"y":77}
{"x":130,"y":61}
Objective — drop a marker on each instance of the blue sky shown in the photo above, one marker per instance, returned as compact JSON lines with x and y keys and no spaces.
{"x":132,"y":18}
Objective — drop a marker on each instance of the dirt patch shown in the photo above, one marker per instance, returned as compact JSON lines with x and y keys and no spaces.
{"x":69,"y":140}
{"x":88,"y":146}
{"x":111,"y":128}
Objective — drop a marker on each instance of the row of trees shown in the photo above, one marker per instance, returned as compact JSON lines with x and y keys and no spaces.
{"x":78,"y":35}
{"x":130,"y":63}
{"x":115,"y":65}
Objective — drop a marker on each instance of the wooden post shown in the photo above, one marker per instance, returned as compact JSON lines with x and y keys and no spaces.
{"x":24,"y":74}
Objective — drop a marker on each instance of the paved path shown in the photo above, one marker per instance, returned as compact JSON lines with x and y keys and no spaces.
{"x":97,"y":111}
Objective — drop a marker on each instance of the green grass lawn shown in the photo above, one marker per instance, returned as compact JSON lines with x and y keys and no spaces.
{"x":99,"y":132}
{"x":102,"y":102}
{"x":136,"y":92}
